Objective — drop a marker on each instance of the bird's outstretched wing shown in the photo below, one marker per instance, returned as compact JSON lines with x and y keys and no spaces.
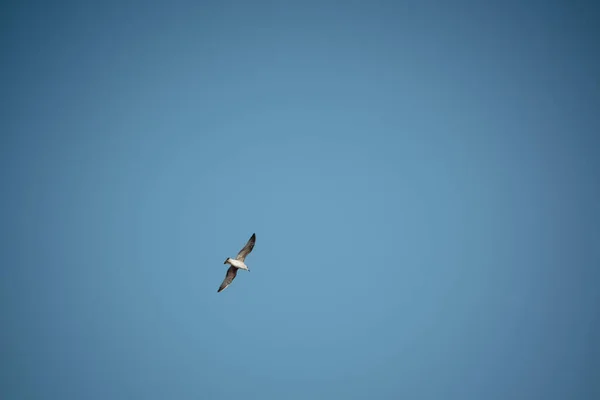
{"x":229,"y":277}
{"x":247,"y":248}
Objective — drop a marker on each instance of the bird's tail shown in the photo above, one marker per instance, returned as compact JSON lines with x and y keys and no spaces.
{"x":226,"y":260}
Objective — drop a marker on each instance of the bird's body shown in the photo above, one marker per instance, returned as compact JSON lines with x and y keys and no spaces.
{"x":237,"y":263}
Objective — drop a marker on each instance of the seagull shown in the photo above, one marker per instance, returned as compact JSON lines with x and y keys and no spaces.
{"x":238,"y":263}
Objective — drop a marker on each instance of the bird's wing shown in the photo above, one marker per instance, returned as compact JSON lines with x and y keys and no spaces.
{"x":247,"y":248}
{"x":229,"y":277}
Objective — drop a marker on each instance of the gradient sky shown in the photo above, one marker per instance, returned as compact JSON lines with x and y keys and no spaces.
{"x":422,"y":178}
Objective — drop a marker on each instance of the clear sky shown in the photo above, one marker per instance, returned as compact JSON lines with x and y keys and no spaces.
{"x":422,"y":178}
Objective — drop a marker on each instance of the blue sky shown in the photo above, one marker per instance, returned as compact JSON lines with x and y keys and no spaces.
{"x":422,"y":178}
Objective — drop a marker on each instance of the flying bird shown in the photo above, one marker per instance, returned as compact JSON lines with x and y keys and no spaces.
{"x":238,"y":263}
